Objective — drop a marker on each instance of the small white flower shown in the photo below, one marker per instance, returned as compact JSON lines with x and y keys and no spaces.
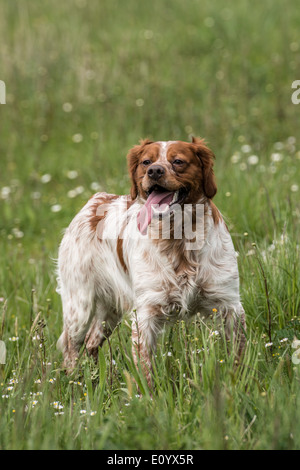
{"x":57,"y":405}
{"x":278,"y":145}
{"x":5,"y":192}
{"x":243,"y":166}
{"x":72,"y":193}
{"x":18,"y":233}
{"x":36,"y":195}
{"x":276,"y":157}
{"x":294,"y":188}
{"x":253,"y":159}
{"x":67,"y":107}
{"x":246,"y":148}
{"x":235,"y":158}
{"x":283,"y":340}
{"x":139,"y":102}
{"x":56,"y":208}
{"x":72,"y":174}
{"x":267,"y":345}
{"x":95,"y":186}
{"x":169,"y":354}
{"x":46,"y":178}
{"x":77,"y":138}
{"x":79,"y":189}
{"x":214,"y":333}
{"x":82,"y":412}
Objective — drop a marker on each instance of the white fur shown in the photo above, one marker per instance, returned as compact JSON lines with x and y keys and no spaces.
{"x":95,"y":287}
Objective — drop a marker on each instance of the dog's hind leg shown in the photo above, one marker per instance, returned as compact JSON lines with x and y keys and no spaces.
{"x":78,"y":311}
{"x":101,"y":328}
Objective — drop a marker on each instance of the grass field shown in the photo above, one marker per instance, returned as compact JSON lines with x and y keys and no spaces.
{"x":85,"y":80}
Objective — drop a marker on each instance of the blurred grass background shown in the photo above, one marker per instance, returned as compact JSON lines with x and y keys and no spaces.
{"x":85,"y":81}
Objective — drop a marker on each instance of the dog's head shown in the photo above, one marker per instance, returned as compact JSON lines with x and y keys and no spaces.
{"x":167,"y":173}
{"x":177,"y":172}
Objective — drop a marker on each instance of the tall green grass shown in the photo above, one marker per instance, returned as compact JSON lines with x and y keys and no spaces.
{"x":85,"y":81}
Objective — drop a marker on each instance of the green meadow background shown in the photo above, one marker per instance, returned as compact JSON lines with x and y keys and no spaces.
{"x":85,"y":80}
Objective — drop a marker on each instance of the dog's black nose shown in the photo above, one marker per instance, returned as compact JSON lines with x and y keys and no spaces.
{"x":156,"y":171}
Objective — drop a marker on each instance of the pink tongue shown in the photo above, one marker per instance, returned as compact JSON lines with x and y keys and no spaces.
{"x":158,"y":198}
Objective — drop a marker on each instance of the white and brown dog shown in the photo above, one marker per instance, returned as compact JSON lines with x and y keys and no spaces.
{"x":111,"y":261}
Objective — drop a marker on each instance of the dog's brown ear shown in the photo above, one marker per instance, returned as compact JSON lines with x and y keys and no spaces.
{"x":206,"y":157}
{"x":133,"y":158}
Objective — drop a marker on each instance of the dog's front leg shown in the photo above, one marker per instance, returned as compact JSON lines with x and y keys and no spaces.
{"x":146,"y":325}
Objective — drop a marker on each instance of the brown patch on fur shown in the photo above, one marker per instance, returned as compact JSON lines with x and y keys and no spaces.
{"x":215,"y":213}
{"x":133,"y":159}
{"x":121,"y":254}
{"x":206,"y":157}
{"x":96,"y":218}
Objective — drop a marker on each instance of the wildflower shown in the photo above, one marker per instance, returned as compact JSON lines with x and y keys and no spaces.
{"x":57,"y":405}
{"x":82,"y":412}
{"x":92,"y":413}
{"x":253,"y":160}
{"x":235,"y":158}
{"x":46,"y":178}
{"x":169,"y":354}
{"x":139,"y":102}
{"x":246,"y":148}
{"x":72,"y":174}
{"x":5,"y":192}
{"x":214,"y":333}
{"x":36,"y":195}
{"x":14,"y":338}
{"x":294,"y":188}
{"x":67,"y":107}
{"x":276,"y":157}
{"x":72,"y":194}
{"x":278,"y":145}
{"x":77,"y":138}
{"x":214,"y":310}
{"x":56,"y":208}
{"x":268,"y":345}
{"x":283,"y":340}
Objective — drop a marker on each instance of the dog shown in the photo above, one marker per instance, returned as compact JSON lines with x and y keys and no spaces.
{"x":116,"y":256}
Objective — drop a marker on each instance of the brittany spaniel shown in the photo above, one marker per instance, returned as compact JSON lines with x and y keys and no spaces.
{"x":163,"y":253}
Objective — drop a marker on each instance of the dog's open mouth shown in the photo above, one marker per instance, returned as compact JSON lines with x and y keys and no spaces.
{"x":159,"y":203}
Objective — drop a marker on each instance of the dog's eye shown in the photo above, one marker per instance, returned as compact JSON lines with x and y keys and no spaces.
{"x":177,"y":161}
{"x":146,"y":162}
